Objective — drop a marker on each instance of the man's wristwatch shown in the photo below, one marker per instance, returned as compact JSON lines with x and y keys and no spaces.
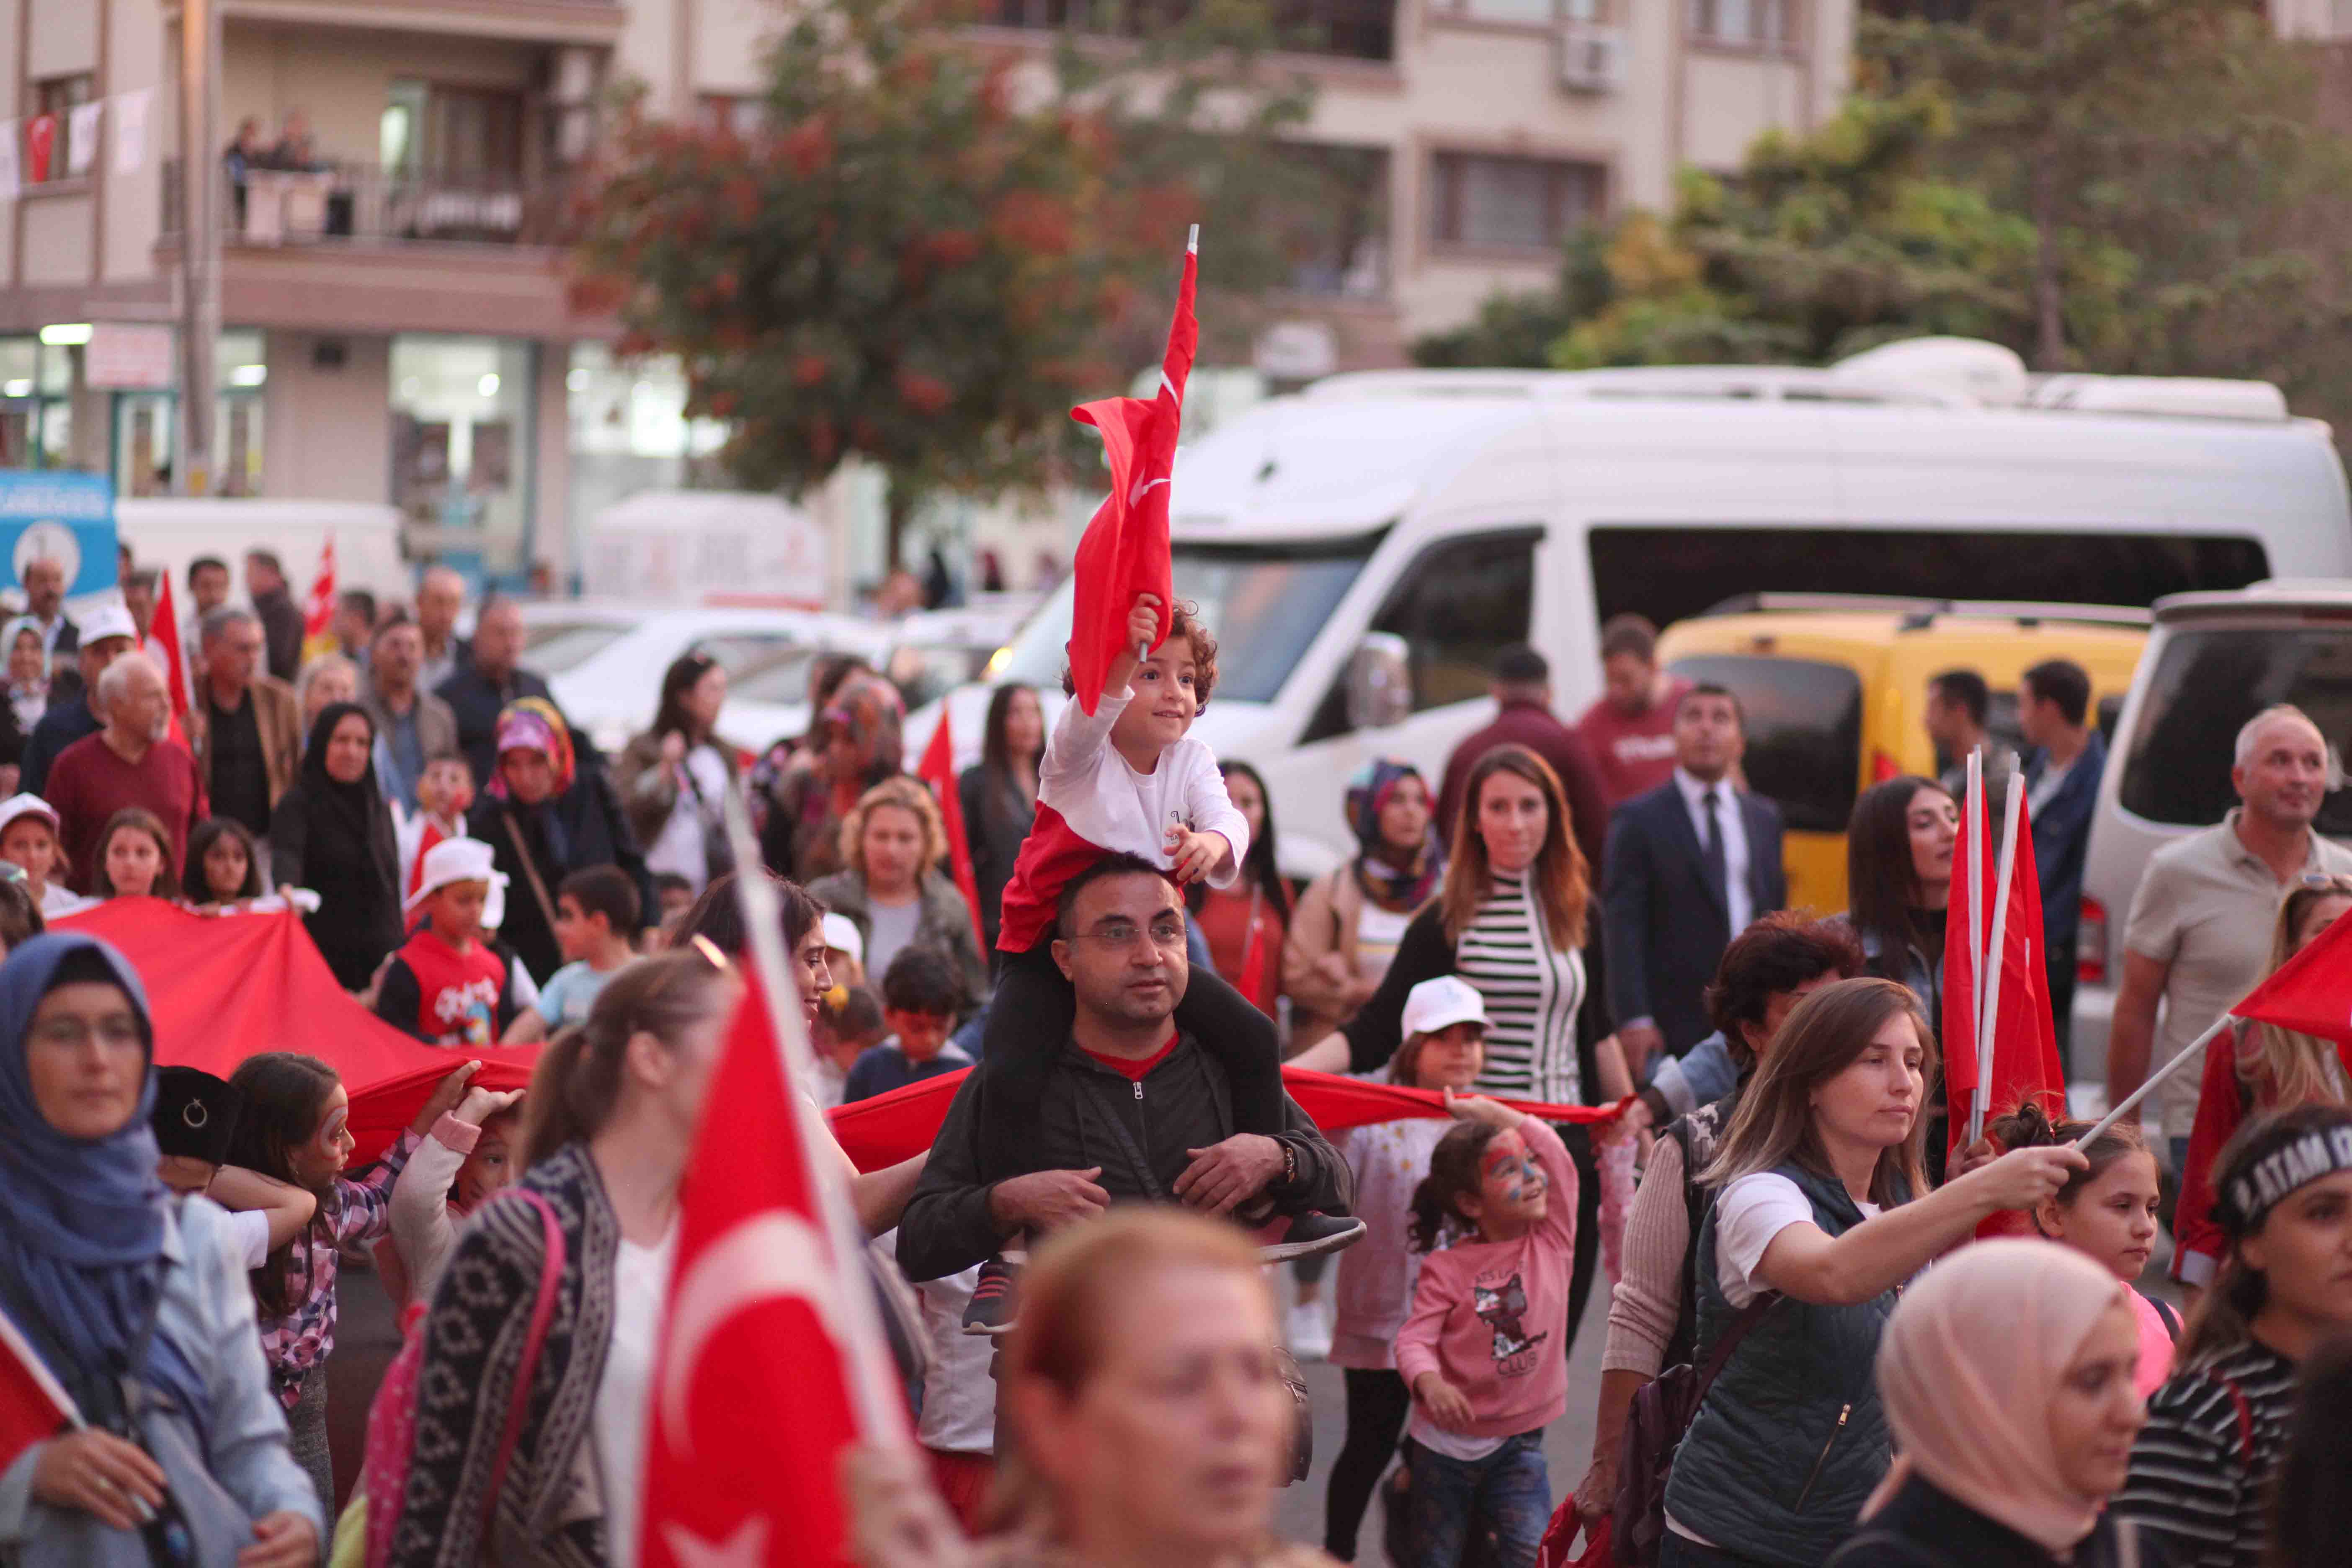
{"x":1289,"y":1164}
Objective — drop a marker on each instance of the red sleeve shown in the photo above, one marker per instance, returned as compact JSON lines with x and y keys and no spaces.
{"x":2198,"y":1242}
{"x":203,"y":806}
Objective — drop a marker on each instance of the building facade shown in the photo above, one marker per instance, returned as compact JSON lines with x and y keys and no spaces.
{"x":394,"y":319}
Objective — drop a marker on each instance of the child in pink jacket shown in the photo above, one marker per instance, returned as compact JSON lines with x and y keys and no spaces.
{"x":1482,"y":1349}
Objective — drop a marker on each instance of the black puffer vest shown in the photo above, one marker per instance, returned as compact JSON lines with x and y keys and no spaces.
{"x":1792,"y":1439}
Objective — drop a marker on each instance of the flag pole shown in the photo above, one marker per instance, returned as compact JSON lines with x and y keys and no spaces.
{"x":878,"y":1404}
{"x":1975,"y":830}
{"x":2195,"y":1049}
{"x":1988,"y":1039}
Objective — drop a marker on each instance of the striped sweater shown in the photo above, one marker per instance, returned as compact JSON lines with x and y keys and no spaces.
{"x":2200,"y":1470}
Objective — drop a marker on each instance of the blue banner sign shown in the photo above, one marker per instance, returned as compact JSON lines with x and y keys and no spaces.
{"x":68,"y":518}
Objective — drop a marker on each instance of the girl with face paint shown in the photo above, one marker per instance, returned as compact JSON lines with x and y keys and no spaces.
{"x":296,"y":1128}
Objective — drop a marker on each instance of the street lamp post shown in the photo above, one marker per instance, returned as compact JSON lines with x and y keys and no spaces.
{"x":200,"y":37}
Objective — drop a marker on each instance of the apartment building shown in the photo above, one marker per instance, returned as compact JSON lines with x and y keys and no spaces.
{"x":394,"y":320}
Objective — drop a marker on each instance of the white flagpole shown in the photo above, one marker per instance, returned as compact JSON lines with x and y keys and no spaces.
{"x":1985,"y":1037}
{"x":1974,"y":829}
{"x":2194,"y":1050}
{"x":880,"y":1407}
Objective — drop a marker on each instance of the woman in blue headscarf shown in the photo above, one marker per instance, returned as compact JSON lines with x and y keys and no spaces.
{"x":1350,"y":920}
{"x":134,"y":1300}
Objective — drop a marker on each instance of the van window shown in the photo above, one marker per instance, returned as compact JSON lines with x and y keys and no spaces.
{"x":1804,"y":732}
{"x":1264,"y":605}
{"x":2204,"y":687}
{"x":550,"y":647}
{"x":1667,"y":574}
{"x":1458,"y":605}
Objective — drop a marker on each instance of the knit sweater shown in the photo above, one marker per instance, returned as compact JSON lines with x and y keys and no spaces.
{"x":1487,"y":1315}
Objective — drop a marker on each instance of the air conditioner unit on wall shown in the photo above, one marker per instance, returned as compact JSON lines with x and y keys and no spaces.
{"x":1591,"y":58}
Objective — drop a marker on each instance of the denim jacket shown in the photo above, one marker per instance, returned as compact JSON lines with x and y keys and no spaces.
{"x":207,"y":1314}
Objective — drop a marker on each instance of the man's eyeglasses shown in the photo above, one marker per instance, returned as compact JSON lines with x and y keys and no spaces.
{"x":1166,"y":935}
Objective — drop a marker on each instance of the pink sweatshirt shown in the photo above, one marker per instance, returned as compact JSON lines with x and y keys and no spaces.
{"x":1487,"y":1316}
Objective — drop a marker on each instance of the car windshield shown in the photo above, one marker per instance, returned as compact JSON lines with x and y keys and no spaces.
{"x":550,"y":647}
{"x":1264,"y":606}
{"x":2204,"y":687}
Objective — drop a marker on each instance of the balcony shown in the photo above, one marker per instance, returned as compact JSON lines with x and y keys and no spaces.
{"x":1343,"y":29}
{"x":359,"y":204}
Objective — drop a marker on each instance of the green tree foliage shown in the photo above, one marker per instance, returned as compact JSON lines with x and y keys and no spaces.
{"x":2127,"y":187}
{"x":932,"y":249}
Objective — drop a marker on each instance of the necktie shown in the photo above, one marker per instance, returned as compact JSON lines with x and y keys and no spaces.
{"x":1711,"y":850}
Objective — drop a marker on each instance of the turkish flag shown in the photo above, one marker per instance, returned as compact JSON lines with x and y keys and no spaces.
{"x":901,"y":1124}
{"x":319,"y":610}
{"x":40,"y":141}
{"x":2024,"y":1046}
{"x":164,"y":628}
{"x":756,"y":1388}
{"x":2312,"y":991}
{"x":221,"y":988}
{"x":1125,"y":550}
{"x":937,"y":770}
{"x":33,"y":1408}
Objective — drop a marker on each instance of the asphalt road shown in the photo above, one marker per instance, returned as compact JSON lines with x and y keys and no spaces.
{"x":1567,"y":1443}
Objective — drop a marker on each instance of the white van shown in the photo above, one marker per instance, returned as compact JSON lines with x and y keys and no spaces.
{"x":1361,"y":551}
{"x":2214,"y":661}
{"x":169,"y":532}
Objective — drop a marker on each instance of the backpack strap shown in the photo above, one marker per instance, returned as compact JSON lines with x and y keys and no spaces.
{"x":550,"y":1285}
{"x":2165,"y":1314}
{"x":1716,"y":1358}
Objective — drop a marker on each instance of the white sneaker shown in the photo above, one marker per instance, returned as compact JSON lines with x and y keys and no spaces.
{"x":1307,"y":1327}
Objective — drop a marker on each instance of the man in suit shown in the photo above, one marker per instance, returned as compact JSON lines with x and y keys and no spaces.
{"x":1688,"y":865}
{"x":2062,"y":788}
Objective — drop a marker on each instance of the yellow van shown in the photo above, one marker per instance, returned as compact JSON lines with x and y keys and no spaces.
{"x":1835,"y":691}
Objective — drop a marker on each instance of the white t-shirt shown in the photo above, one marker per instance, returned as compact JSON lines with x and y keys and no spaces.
{"x":1751,"y":1212}
{"x":251,"y":1229}
{"x":679,"y":846}
{"x":640,"y":1279}
{"x":892,"y":927}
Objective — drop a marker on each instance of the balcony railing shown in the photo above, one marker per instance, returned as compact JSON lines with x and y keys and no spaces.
{"x":359,"y":203}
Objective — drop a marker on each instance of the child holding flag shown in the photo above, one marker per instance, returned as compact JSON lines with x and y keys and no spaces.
{"x":1126,"y":777}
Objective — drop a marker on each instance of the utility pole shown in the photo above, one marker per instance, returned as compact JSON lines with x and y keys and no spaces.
{"x":200,"y":193}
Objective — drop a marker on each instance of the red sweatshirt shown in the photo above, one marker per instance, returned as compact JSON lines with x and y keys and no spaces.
{"x":1487,"y":1316}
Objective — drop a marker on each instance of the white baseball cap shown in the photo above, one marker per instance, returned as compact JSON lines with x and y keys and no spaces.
{"x":17,"y":805}
{"x":106,"y":621}
{"x":456,"y":860}
{"x":840,"y":935}
{"x":1441,"y":1004}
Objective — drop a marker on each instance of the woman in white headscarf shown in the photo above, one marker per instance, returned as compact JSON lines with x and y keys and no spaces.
{"x":2007,"y":1378}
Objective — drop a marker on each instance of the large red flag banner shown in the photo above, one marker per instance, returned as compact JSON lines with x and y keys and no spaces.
{"x":754,"y":1394}
{"x":32,"y":1407}
{"x":2024,"y":1046}
{"x":2312,"y":991}
{"x":1125,"y":550}
{"x":902,"y":1123}
{"x":221,"y":988}
{"x":937,"y":770}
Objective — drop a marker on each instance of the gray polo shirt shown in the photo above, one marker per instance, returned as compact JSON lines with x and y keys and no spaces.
{"x":2205,"y":909}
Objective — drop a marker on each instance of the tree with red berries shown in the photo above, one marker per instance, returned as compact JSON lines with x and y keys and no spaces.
{"x":936,"y":243}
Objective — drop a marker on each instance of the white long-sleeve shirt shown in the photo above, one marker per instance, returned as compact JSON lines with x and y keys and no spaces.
{"x":1091,"y":802}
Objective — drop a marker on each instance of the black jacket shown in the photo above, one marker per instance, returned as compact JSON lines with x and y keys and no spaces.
{"x":476,"y":699}
{"x":1921,"y":1527}
{"x":1667,"y":928}
{"x":1181,"y":1104}
{"x":582,"y":826}
{"x":281,"y":631}
{"x":995,"y":822}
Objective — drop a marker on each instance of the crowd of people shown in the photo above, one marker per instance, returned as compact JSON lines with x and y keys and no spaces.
{"x":1809,"y":1358}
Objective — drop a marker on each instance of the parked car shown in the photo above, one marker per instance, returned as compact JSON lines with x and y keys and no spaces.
{"x":604,"y":660}
{"x":1836,"y":695}
{"x":2214,"y":661}
{"x":1364,"y":549}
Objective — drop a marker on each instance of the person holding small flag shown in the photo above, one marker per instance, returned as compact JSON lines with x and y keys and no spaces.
{"x":124,"y":1300}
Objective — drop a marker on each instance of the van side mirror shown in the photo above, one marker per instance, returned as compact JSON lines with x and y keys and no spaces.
{"x":1380,"y":682}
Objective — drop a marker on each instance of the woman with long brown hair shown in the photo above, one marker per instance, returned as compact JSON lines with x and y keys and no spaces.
{"x":892,"y":889}
{"x":2252,"y":1069}
{"x":608,"y":1124}
{"x":1823,"y":1213}
{"x":999,"y":794}
{"x":1512,"y":918}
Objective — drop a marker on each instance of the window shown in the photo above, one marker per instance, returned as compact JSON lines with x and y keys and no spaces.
{"x":1666,"y":573}
{"x":739,"y":113}
{"x":1337,"y":239}
{"x":1263,"y":604}
{"x":462,"y":439}
{"x":1527,"y":13}
{"x":550,"y":647}
{"x":2203,"y":688}
{"x":54,"y":102}
{"x":1515,"y":204}
{"x":474,"y":134}
{"x":1804,"y":732}
{"x":1738,"y":21}
{"x":1353,"y":29}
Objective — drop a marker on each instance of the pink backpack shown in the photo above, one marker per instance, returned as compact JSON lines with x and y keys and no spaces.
{"x":392,"y":1418}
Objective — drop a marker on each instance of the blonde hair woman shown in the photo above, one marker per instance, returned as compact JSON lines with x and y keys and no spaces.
{"x":892,"y":889}
{"x":2256,"y":1067}
{"x":1151,"y":1423}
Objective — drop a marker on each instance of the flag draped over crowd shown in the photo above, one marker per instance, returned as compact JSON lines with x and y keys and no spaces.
{"x":1125,"y":549}
{"x":2017,"y":1059}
